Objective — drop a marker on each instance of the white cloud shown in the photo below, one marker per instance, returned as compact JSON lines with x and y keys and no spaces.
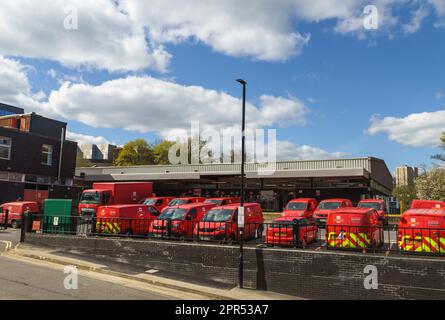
{"x":416,"y":130}
{"x":417,"y":18}
{"x":130,"y":35}
{"x":13,"y":80}
{"x":439,"y":6}
{"x":259,"y":29}
{"x":52,"y":73}
{"x":146,"y":104}
{"x":83,"y":139}
{"x":287,"y":150}
{"x":105,"y":37}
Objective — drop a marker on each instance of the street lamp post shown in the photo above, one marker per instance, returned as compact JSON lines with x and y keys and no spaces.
{"x":241,"y":210}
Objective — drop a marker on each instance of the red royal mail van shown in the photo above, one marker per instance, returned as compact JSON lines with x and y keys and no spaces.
{"x":301,"y":207}
{"x":158,"y":202}
{"x":15,"y":211}
{"x":327,"y":206}
{"x":182,"y":218}
{"x":422,"y":230}
{"x":223,"y":201}
{"x":289,"y":231}
{"x":185,"y":200}
{"x":377,"y":204}
{"x":129,"y":219}
{"x":354,"y":228}
{"x":221,"y":223}
{"x":427,"y":204}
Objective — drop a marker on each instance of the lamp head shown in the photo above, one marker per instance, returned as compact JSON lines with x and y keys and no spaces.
{"x":241,"y":81}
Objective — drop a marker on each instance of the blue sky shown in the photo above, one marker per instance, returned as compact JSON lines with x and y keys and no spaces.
{"x":353,"y":92}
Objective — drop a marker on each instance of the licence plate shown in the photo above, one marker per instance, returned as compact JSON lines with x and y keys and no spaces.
{"x":280,"y":234}
{"x":156,"y":235}
{"x":205,"y":238}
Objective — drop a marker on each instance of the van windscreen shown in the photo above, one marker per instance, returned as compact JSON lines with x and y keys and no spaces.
{"x":215,"y":201}
{"x":372,"y":205}
{"x":150,"y":201}
{"x":173,"y":214}
{"x":296,"y":206}
{"x":329,"y":205}
{"x":219,"y":215}
{"x":90,"y":197}
{"x":178,"y":202}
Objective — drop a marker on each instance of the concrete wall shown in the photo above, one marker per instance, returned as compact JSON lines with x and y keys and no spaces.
{"x":308,"y":274}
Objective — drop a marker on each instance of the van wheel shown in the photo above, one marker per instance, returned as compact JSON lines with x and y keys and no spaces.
{"x":229,"y":241}
{"x":14,"y":224}
{"x":128,"y":233}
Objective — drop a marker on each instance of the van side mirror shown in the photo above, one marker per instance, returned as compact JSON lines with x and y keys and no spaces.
{"x":380,"y":218}
{"x":188,"y":218}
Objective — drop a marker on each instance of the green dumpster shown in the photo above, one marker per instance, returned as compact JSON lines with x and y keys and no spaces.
{"x":57,"y":216}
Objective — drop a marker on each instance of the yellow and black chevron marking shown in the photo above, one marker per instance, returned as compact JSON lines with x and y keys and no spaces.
{"x":108,"y":227}
{"x":348,"y":240}
{"x":422,"y":244}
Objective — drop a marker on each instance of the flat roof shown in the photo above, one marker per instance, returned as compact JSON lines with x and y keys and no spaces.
{"x":368,"y":167}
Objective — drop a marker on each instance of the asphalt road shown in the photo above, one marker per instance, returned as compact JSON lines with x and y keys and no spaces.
{"x":21,"y":280}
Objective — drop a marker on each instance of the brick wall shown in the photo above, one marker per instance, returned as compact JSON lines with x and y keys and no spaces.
{"x":307,"y":274}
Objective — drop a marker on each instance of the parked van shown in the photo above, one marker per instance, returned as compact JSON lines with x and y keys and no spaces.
{"x":327,"y":206}
{"x":223,"y":201}
{"x":354,"y":228}
{"x":221,"y":223}
{"x":129,"y":219}
{"x":289,"y":231}
{"x":182,"y":219}
{"x":422,"y":230}
{"x":16,"y":210}
{"x":427,"y":204}
{"x":158,"y":202}
{"x":185,"y":200}
{"x":377,"y":204}
{"x":301,"y":207}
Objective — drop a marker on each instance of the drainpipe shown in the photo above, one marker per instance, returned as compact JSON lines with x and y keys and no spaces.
{"x":62,"y":140}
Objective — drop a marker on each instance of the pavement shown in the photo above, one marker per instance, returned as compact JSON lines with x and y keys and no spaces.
{"x":24,"y":265}
{"x":21,"y":280}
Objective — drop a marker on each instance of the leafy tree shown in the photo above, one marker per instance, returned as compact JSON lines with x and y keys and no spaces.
{"x":432,"y":185}
{"x":134,"y":153}
{"x":440,"y":157}
{"x":81,"y":162}
{"x":160,"y":151}
{"x":406,"y":194}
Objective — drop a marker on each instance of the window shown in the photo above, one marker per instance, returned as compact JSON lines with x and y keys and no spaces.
{"x":5,"y":148}
{"x":47,"y":154}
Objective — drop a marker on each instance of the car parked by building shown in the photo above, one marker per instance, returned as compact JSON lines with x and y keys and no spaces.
{"x":223,"y":201}
{"x":185,"y":200}
{"x":295,"y":232}
{"x":16,"y":210}
{"x":112,"y":193}
{"x":221,"y":223}
{"x":300,"y":207}
{"x":327,"y":206}
{"x":427,"y":204}
{"x":422,"y":231}
{"x":377,"y":204}
{"x":128,"y":219}
{"x":354,"y":228}
{"x":179,"y":221}
{"x":158,"y":202}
